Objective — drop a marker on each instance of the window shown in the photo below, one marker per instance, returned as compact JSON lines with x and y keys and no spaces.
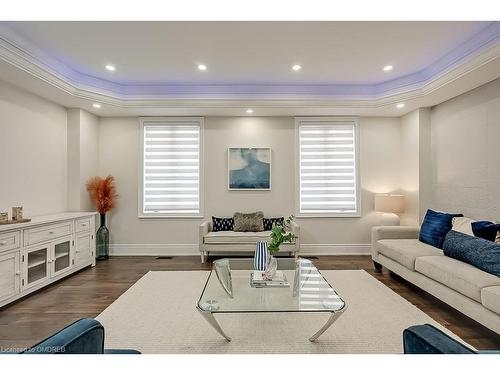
{"x":170,"y":171}
{"x":328,"y":177}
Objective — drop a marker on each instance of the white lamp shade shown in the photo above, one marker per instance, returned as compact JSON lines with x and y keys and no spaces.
{"x":389,"y":203}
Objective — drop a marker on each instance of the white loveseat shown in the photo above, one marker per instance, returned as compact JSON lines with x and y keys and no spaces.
{"x":468,"y":289}
{"x":237,"y":242}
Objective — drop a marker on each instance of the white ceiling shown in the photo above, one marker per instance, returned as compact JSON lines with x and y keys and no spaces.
{"x":247,"y":52}
{"x":249,"y":65}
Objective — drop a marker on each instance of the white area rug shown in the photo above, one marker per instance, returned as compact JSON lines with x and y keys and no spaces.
{"x":157,"y":315}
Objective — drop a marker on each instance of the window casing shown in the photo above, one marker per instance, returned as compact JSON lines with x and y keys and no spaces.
{"x":327,"y":176}
{"x":170,"y":170}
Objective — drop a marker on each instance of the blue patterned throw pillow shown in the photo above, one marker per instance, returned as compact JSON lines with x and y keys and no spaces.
{"x":222,"y":224}
{"x":269,"y":222}
{"x":435,"y":227}
{"x":475,"y":251}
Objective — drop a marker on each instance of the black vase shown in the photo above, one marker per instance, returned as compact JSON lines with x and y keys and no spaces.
{"x":102,"y":240}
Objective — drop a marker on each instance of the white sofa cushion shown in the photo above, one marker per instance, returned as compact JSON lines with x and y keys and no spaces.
{"x":457,"y":275}
{"x":490,"y":298}
{"x":405,"y":251}
{"x":236,"y":237}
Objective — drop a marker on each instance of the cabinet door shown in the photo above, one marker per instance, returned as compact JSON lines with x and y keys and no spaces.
{"x":84,"y":252}
{"x":62,"y":256}
{"x":9,"y":275}
{"x":36,"y":262}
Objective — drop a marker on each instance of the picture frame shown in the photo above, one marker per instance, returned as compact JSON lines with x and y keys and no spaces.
{"x":249,"y":168}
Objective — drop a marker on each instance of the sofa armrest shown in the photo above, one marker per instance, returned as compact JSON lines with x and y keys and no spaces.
{"x":205,"y":228}
{"x":427,"y":339}
{"x":392,"y":232}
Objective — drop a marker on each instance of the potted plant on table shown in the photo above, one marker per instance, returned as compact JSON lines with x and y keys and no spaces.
{"x":279,"y":235}
{"x":102,"y":192}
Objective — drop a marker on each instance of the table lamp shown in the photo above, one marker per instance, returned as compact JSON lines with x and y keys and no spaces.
{"x":390,"y":205}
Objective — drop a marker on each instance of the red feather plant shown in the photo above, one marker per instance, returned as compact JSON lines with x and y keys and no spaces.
{"x":102,"y":192}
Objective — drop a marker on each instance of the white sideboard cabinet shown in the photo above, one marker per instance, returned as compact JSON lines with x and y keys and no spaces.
{"x":46,"y":249}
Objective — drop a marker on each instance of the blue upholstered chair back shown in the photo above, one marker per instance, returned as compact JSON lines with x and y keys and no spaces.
{"x":427,"y":339}
{"x":85,"y":336}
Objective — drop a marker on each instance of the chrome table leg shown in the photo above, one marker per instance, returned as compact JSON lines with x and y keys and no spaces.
{"x":333,"y":317}
{"x":211,"y":320}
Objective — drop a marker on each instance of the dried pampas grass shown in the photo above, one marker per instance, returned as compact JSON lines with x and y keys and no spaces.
{"x":102,"y":192}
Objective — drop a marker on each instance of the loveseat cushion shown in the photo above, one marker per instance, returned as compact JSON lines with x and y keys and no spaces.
{"x":478,"y":252}
{"x":459,"y":276}
{"x":405,"y":251}
{"x":490,"y":298}
{"x":236,"y":237}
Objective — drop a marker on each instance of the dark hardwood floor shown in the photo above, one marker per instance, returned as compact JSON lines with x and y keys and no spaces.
{"x":90,"y":291}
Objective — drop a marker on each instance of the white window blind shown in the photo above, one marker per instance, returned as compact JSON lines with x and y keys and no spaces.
{"x":327,"y":167}
{"x":171,"y":170}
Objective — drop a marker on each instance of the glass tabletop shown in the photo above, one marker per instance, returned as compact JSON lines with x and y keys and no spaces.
{"x":229,"y":289}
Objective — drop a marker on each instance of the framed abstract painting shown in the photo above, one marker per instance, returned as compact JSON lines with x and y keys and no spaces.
{"x":249,"y":168}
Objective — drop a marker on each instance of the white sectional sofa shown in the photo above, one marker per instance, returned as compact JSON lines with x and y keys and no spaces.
{"x":237,"y":242}
{"x":466,"y":288}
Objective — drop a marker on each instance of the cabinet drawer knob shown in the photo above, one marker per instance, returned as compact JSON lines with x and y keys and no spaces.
{"x":84,"y":225}
{"x":51,"y":232}
{"x":3,"y":243}
{"x":18,"y":273}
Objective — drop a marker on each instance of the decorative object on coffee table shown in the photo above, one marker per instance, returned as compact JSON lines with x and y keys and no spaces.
{"x":103,"y":194}
{"x":223,"y":271}
{"x":261,"y":257}
{"x":279,"y":235}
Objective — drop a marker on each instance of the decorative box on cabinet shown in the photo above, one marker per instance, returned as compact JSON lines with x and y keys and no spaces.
{"x":35,"y":254}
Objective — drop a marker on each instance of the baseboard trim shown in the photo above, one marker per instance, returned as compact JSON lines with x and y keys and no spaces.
{"x":192,"y":249}
{"x":335,"y":249}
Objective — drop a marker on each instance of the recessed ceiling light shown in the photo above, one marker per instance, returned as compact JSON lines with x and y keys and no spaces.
{"x":96,"y":105}
{"x":202,"y":67}
{"x":400,"y":105}
{"x":249,"y":110}
{"x":387,"y":68}
{"x":111,"y":68}
{"x":296,"y":67}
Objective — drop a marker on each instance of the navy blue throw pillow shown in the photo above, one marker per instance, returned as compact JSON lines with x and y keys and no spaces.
{"x":475,"y":251}
{"x":485,"y":229}
{"x":435,"y":227}
{"x":269,"y":222}
{"x":222,"y":224}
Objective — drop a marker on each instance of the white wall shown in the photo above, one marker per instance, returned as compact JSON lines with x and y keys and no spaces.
{"x":83,"y":157}
{"x":32,"y":153}
{"x":119,"y":156}
{"x":409,"y":145}
{"x":465,"y":146}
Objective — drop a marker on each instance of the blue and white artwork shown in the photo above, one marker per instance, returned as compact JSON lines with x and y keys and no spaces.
{"x":249,"y":168}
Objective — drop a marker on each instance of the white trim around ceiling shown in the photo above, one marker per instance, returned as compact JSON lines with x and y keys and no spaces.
{"x":475,"y":53}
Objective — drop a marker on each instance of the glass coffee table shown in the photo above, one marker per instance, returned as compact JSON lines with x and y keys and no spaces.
{"x":228,"y":290}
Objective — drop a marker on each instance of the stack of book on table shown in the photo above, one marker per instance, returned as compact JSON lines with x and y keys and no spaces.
{"x":258,"y":280}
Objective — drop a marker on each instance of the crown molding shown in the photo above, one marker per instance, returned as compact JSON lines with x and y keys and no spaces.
{"x":481,"y":49}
